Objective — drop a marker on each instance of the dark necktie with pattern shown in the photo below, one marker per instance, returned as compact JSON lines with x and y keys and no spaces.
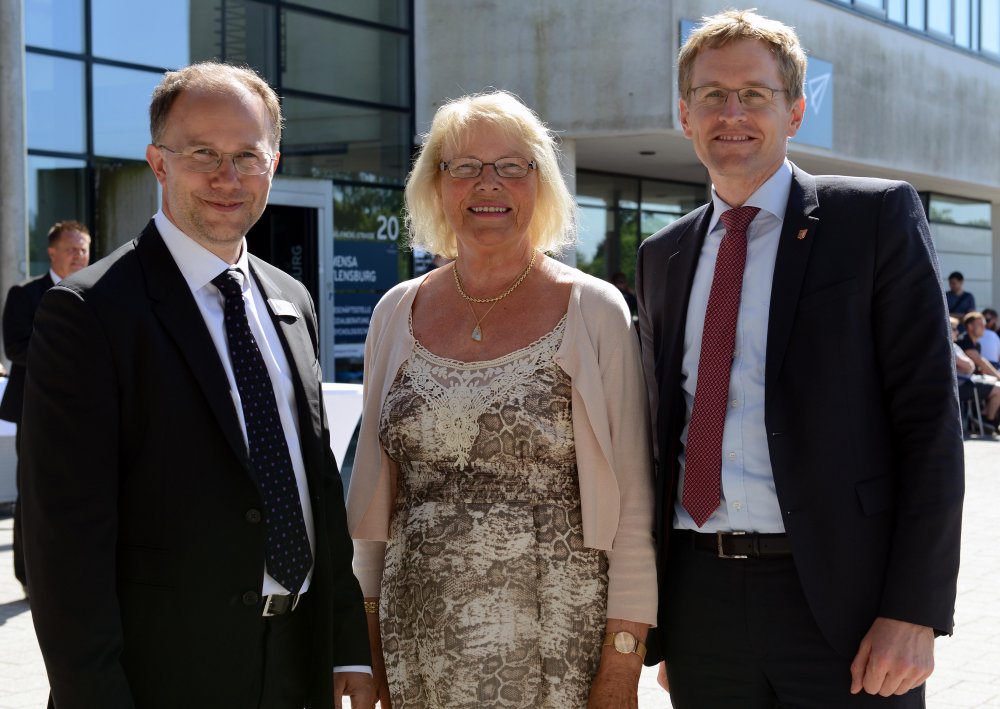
{"x":285,"y":541}
{"x":703,"y":455}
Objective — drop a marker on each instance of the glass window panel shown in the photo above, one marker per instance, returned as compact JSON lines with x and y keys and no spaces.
{"x":346,"y":61}
{"x":326,"y":139}
{"x":387,"y":12}
{"x":56,"y":110}
{"x":939,"y":16}
{"x":990,"y":37}
{"x":163,"y":43}
{"x":665,"y":202}
{"x":962,"y":27}
{"x":54,"y":24}
{"x":897,"y":10}
{"x":874,"y":4}
{"x":915,"y":14}
{"x":250,"y":37}
{"x":974,"y":27}
{"x":955,"y":210}
{"x":56,"y":191}
{"x":609,"y":215}
{"x":121,"y":111}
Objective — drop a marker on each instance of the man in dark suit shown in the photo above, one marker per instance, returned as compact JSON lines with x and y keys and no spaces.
{"x":808,"y":443}
{"x":186,"y":542}
{"x":69,"y":251}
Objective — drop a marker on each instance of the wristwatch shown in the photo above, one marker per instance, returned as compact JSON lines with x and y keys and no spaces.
{"x":624,"y":642}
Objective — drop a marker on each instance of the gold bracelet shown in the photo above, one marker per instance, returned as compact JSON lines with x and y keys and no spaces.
{"x":371,"y":607}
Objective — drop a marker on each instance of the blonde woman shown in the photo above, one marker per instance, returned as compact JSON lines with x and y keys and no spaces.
{"x":502,"y":479}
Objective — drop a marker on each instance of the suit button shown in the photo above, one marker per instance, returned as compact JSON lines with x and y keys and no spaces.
{"x":251,"y":598}
{"x":253,"y":516}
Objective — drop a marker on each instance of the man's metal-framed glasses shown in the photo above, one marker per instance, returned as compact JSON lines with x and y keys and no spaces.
{"x":246,"y":162}
{"x":466,"y":168}
{"x":749,"y":96}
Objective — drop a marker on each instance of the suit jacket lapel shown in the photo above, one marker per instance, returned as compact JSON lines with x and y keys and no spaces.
{"x":174,"y":305}
{"x":794,"y":246}
{"x":299,"y":350}
{"x":682,"y":261}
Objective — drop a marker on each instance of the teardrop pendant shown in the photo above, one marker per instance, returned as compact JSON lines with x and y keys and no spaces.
{"x":477,"y":334}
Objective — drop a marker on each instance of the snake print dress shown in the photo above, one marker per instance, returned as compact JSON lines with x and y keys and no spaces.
{"x":489,"y":597}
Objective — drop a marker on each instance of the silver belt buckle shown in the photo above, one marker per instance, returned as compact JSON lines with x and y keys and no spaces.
{"x":722,"y":553}
{"x":269,"y":598}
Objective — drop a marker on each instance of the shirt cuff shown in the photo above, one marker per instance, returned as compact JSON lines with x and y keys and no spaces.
{"x":353,"y":668}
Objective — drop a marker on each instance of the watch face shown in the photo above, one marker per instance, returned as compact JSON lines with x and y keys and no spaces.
{"x":625,"y":642}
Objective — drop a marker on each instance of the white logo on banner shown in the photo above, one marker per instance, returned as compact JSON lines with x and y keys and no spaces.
{"x":817,"y":90}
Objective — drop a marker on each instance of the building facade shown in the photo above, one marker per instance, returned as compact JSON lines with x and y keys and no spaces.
{"x":896,"y":88}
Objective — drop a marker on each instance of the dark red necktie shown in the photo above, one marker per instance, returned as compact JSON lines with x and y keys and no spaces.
{"x":703,"y":455}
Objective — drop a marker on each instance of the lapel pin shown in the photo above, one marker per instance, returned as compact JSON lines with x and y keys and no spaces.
{"x":802,"y":234}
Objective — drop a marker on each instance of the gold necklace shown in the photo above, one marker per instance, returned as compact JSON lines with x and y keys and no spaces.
{"x":477,"y":332}
{"x":515,"y":284}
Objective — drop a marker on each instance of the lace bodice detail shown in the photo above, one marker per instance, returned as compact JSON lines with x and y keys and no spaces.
{"x":456,"y":395}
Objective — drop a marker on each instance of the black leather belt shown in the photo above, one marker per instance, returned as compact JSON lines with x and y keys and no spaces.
{"x":739,"y":545}
{"x":279,"y":604}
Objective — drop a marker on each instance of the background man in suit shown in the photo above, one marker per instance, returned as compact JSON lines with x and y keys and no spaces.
{"x":802,"y":385}
{"x":185,"y":532}
{"x":69,"y":251}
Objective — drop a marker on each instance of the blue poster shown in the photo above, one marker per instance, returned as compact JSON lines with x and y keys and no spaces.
{"x":365,"y":265}
{"x":817,"y":124}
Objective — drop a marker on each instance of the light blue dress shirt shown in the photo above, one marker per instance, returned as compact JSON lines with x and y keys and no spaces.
{"x":749,"y":502}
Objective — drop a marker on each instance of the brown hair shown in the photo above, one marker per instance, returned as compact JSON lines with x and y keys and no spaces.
{"x":210,"y":76}
{"x":57,"y":229}
{"x":733,"y":25}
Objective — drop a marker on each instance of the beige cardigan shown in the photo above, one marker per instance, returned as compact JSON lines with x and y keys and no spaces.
{"x":600,"y":353}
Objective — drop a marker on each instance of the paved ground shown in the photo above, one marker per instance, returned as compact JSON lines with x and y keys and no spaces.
{"x":968,"y":664}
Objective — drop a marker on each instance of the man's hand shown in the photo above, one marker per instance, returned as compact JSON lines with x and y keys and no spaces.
{"x":357,"y":686}
{"x":661,"y":677}
{"x":894,"y":657}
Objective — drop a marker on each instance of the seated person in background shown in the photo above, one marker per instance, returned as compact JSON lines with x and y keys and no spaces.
{"x":960,"y":301}
{"x":992,"y":323}
{"x":973,"y":344}
{"x":989,"y":342}
{"x":968,"y":380}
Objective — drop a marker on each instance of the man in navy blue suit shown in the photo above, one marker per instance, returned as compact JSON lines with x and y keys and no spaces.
{"x":810,"y":467}
{"x":185,"y":534}
{"x":69,"y":251}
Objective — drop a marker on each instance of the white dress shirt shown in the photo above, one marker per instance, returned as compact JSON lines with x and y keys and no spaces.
{"x":749,"y":501}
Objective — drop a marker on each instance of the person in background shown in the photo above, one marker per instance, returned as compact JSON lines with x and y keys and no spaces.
{"x":501,"y":496}
{"x":619,"y":281}
{"x":989,"y":341}
{"x":959,"y":300}
{"x":69,"y":251}
{"x":809,"y":493}
{"x":978,"y":344}
{"x":986,"y":387}
{"x":185,"y":535}
{"x":990,"y":316}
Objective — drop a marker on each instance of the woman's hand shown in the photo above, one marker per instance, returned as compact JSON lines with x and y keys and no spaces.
{"x":616,"y":684}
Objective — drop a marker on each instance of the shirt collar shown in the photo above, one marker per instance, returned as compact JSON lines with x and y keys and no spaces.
{"x":54,"y":276}
{"x":771,"y":197}
{"x":197,"y":264}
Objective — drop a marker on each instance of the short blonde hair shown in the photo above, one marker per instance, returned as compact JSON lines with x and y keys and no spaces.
{"x":552,"y":226}
{"x":733,"y":25}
